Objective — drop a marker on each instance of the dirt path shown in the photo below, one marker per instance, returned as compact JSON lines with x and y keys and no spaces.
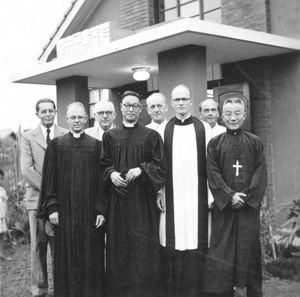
{"x":15,"y":278}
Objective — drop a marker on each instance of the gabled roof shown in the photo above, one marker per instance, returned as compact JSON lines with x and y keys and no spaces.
{"x":72,"y":21}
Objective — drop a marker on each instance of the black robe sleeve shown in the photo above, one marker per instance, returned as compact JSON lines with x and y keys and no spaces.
{"x":155,"y":169}
{"x":107,"y":164}
{"x":101,"y":200}
{"x":258,"y":184}
{"x":48,"y":202}
{"x":221,"y":192}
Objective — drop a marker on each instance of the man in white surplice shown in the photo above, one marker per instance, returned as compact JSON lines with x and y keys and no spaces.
{"x":184,"y":236}
{"x":209,"y":113}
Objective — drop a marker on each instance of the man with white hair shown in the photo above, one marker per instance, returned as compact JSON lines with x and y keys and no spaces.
{"x":185,"y":233}
{"x":157,"y":108}
{"x":105,"y":115}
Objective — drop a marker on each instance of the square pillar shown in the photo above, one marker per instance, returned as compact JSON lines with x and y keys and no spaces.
{"x":68,"y":90}
{"x":184,"y":65}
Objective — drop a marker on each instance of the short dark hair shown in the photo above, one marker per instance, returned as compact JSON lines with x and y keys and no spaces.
{"x":1,"y":172}
{"x":130,"y":93}
{"x":44,"y":100}
{"x":234,"y":99}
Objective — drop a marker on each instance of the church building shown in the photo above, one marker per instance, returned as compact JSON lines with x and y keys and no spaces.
{"x":250,"y":47}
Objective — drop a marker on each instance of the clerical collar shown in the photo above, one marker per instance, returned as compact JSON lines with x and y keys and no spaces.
{"x":77,"y":135}
{"x":234,"y":132}
{"x":182,"y":122}
{"x":129,"y":125}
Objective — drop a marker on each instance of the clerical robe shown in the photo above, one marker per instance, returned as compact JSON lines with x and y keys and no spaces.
{"x":234,"y":257}
{"x":71,"y":185}
{"x":185,"y":231}
{"x":133,"y":250}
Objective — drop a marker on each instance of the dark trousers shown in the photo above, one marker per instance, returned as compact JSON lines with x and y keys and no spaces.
{"x":252,"y":291}
{"x":182,"y":273}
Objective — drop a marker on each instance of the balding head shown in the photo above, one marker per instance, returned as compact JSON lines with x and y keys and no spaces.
{"x":181,"y":101}
{"x":209,"y":111}
{"x":105,"y":114}
{"x":157,"y":107}
{"x":181,"y":91}
{"x":76,"y":117}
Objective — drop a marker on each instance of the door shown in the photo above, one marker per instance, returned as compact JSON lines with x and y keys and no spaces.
{"x":241,"y":89}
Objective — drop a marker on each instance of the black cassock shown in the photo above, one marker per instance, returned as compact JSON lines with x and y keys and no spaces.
{"x":132,"y":250}
{"x":234,"y":257}
{"x":71,"y":185}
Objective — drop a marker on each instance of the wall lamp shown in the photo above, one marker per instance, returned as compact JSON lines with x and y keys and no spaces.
{"x":141,"y":73}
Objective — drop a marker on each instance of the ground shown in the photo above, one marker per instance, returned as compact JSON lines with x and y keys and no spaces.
{"x":15,"y":278}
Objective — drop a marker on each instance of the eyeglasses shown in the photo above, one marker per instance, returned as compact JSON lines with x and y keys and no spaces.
{"x":134,"y":106}
{"x":184,"y":100}
{"x":79,"y":118}
{"x":102,"y":113}
{"x":153,"y":106}
{"x":229,"y":115}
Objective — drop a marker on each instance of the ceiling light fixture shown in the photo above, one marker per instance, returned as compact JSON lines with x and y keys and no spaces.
{"x":141,"y":73}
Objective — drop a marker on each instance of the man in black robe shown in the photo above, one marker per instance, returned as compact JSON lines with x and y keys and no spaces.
{"x":134,"y":171}
{"x":185,"y":231}
{"x":71,"y":199}
{"x":237,"y":178}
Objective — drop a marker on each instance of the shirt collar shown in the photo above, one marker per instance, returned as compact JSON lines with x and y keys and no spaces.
{"x":129,"y":125}
{"x":186,"y":121}
{"x":77,"y":135}
{"x":234,"y":132}
{"x":44,"y":130}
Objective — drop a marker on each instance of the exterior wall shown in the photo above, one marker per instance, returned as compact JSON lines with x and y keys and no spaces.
{"x":107,"y":10}
{"x":285,"y":90}
{"x":68,"y":90}
{"x":285,"y":17}
{"x":185,"y":65}
{"x":257,"y":73}
{"x":249,"y":14}
{"x":136,"y":14}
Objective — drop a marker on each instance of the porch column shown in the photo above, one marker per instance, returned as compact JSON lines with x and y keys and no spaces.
{"x":68,"y":90}
{"x":184,"y":65}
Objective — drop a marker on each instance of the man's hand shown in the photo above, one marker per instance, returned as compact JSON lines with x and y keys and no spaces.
{"x":53,"y":218}
{"x":237,"y":201}
{"x":117,"y":180}
{"x":133,"y":173}
{"x":99,"y":221}
{"x":160,"y":201}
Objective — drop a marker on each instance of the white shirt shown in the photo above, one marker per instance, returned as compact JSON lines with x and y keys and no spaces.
{"x":160,"y":128}
{"x":44,"y":130}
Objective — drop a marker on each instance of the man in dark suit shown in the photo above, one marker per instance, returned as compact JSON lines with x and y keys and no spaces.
{"x":33,"y":146}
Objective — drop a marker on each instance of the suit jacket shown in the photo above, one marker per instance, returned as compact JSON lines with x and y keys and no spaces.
{"x":96,"y":131}
{"x":33,"y":147}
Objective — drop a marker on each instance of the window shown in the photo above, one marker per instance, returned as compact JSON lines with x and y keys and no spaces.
{"x":209,"y":10}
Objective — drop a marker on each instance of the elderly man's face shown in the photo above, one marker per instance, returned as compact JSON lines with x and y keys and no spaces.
{"x":209,"y":112}
{"x":76,"y":118}
{"x":130,"y":108}
{"x":46,"y":114}
{"x":233,"y":115}
{"x":157,"y":109}
{"x":105,"y":116}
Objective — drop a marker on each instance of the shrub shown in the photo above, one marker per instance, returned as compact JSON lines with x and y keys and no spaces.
{"x":282,"y":268}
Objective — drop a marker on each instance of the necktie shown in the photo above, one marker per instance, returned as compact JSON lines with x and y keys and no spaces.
{"x":48,"y":136}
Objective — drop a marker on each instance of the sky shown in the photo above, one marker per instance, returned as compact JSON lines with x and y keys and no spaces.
{"x":25,"y":28}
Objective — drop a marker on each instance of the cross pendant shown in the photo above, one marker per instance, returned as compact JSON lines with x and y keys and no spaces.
{"x":237,"y":167}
